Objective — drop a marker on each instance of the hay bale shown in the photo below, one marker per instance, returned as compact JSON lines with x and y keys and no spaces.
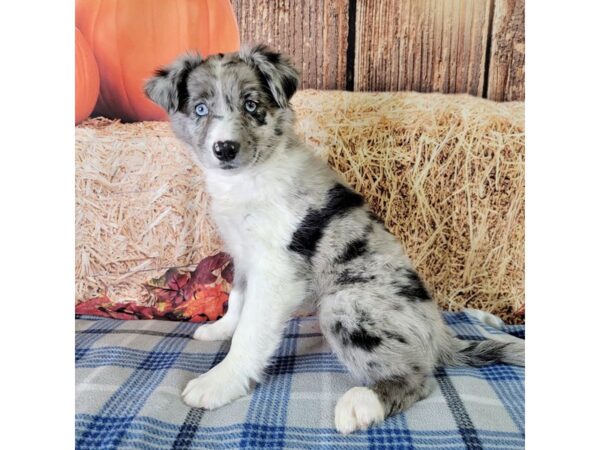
{"x":445,"y":172}
{"x":140,"y":208}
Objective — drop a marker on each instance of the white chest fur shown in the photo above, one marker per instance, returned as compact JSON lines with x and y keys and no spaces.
{"x":253,"y":213}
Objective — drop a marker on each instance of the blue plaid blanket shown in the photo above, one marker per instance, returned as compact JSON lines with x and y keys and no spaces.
{"x":130,"y":375}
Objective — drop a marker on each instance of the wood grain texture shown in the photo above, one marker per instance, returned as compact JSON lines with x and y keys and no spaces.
{"x":450,"y":46}
{"x":421,"y":45}
{"x":507,"y":58}
{"x":314,"y":33}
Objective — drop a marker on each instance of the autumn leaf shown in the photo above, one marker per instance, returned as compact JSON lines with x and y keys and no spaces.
{"x":169,"y":287}
{"x":195,"y":296}
{"x":93,"y":306}
{"x":194,"y":307}
{"x":121,"y":311}
{"x":145,"y":312}
{"x":204,"y":271}
{"x":227,"y":272}
{"x":520,"y":312}
{"x":217,"y":307}
{"x":209,"y":302}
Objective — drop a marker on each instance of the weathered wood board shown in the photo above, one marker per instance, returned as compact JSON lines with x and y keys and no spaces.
{"x":424,"y":45}
{"x":313,"y":32}
{"x":507,"y":57}
{"x":453,"y":46}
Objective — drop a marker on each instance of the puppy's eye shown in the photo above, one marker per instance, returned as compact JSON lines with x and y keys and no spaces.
{"x":201,"y":109}
{"x":250,"y":106}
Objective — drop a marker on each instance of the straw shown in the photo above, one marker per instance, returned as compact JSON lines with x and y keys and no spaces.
{"x":445,"y":173}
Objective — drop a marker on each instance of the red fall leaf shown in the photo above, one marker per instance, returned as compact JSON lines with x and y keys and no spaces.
{"x":196,"y":296}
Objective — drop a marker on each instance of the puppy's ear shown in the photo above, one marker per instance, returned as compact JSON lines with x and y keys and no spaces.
{"x":277,"y":74}
{"x":168,"y":87}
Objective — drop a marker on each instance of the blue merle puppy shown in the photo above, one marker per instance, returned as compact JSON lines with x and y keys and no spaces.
{"x":298,"y":234}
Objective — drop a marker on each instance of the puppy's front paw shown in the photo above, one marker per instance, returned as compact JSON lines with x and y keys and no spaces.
{"x":218,"y":331}
{"x":215,"y":388}
{"x":357,"y":409}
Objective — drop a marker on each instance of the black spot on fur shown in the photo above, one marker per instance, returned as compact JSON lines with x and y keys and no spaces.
{"x":264,"y":80}
{"x":395,"y":336}
{"x":412,"y":289}
{"x":182,"y":90}
{"x":347,"y":278}
{"x":365,"y":318}
{"x":375,"y":217}
{"x":359,"y":338}
{"x":260,"y":116}
{"x":400,"y":392}
{"x":289,"y":86}
{"x":229,"y":102}
{"x":416,"y":368}
{"x":469,"y":348}
{"x":162,"y":72}
{"x":363,"y":339}
{"x":484,"y":352}
{"x":398,"y":306}
{"x":389,"y":389}
{"x":337,"y":327}
{"x":341,"y":331}
{"x":257,"y":117}
{"x":340,"y":200}
{"x":417,"y":289}
{"x":353,"y":250}
{"x":233,"y":62}
{"x":278,"y":131}
{"x":272,"y":57}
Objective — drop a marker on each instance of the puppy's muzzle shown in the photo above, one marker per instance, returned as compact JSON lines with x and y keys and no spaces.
{"x":226,"y":150}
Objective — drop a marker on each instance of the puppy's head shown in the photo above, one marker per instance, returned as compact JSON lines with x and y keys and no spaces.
{"x":231,"y":109}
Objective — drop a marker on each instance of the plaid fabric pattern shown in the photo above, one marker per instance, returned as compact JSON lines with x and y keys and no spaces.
{"x":130,"y":375}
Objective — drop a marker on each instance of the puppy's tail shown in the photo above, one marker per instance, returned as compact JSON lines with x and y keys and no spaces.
{"x":483,"y":353}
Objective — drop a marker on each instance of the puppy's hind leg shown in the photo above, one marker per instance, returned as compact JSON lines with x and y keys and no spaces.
{"x":379,"y":346}
{"x":361,"y":407}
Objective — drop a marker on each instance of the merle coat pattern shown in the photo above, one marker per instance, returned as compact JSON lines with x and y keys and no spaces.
{"x":298,"y":234}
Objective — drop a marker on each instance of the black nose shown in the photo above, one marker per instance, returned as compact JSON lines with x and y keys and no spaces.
{"x":226,"y":150}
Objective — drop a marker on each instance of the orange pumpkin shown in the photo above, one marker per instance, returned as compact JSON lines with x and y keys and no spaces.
{"x":87,"y":80}
{"x":131,"y":38}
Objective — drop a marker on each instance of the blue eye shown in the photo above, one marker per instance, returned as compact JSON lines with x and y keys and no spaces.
{"x":201,"y":109}
{"x":250,"y":106}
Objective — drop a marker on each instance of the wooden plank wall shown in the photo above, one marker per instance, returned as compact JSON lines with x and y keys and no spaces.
{"x":314,"y":33}
{"x":453,"y":46}
{"x":506,"y":79}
